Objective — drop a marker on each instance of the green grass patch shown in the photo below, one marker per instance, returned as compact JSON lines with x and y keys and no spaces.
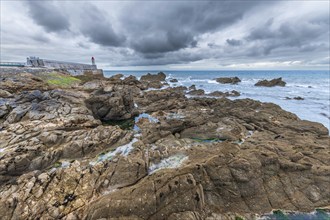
{"x":57,"y":164}
{"x":61,"y":80}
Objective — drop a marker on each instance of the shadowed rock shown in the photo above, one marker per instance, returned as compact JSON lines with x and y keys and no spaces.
{"x":228,"y":80}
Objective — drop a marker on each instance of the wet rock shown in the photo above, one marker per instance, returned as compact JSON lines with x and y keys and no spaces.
{"x":173,"y":80}
{"x":180,"y":89}
{"x":228,"y":80}
{"x":197,"y":92}
{"x":298,"y":98}
{"x":295,"y":98}
{"x":271,"y":83}
{"x":192,"y":87}
{"x":224,"y":94}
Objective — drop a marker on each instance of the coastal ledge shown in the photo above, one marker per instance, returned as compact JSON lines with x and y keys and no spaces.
{"x":65,"y":154}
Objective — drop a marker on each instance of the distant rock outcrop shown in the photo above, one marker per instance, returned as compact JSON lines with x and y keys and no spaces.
{"x":228,"y":80}
{"x":271,"y":83}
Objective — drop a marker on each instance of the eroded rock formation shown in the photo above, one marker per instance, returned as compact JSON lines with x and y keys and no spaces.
{"x":185,"y":158}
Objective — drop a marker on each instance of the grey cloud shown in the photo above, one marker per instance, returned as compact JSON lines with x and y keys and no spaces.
{"x":83,"y":45}
{"x":233,"y":42}
{"x":165,"y":59}
{"x":169,"y":32}
{"x":48,"y":15}
{"x":163,"y":42}
{"x":40,"y":38}
{"x":178,"y":24}
{"x":95,"y":25}
{"x":292,"y":34}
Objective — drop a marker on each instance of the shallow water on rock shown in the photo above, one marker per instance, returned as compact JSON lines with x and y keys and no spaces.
{"x":170,"y":162}
{"x":318,"y":214}
{"x":123,"y":150}
{"x":144,"y":115}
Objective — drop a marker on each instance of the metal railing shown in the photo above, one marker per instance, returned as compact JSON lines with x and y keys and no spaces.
{"x":15,"y":64}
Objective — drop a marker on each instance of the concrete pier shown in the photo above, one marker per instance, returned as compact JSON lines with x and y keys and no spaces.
{"x":35,"y":64}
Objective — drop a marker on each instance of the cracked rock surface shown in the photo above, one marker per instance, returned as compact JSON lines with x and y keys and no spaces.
{"x":184,"y":158}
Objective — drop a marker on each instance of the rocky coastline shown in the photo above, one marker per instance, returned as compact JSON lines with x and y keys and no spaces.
{"x":90,"y":147}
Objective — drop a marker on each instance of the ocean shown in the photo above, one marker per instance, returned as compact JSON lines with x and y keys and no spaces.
{"x":312,"y":85}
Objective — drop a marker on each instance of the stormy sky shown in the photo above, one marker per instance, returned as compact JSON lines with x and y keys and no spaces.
{"x":169,"y":34}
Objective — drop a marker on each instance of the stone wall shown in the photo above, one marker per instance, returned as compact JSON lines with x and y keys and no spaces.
{"x":37,"y":62}
{"x":74,"y":72}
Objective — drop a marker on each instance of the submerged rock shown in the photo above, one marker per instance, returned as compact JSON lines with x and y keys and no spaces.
{"x":271,"y":83}
{"x":295,"y":98}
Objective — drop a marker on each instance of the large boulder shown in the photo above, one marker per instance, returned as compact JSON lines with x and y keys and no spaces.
{"x":228,"y":80}
{"x":116,"y":105}
{"x":154,"y":77}
{"x":271,"y":83}
{"x":156,"y":81}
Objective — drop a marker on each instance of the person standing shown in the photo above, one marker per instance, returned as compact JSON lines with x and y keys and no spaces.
{"x":93,"y":61}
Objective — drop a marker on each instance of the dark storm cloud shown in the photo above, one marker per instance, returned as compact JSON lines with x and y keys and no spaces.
{"x":48,"y":15}
{"x":165,"y":59}
{"x":170,"y":26}
{"x":95,"y":25}
{"x":163,"y":42}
